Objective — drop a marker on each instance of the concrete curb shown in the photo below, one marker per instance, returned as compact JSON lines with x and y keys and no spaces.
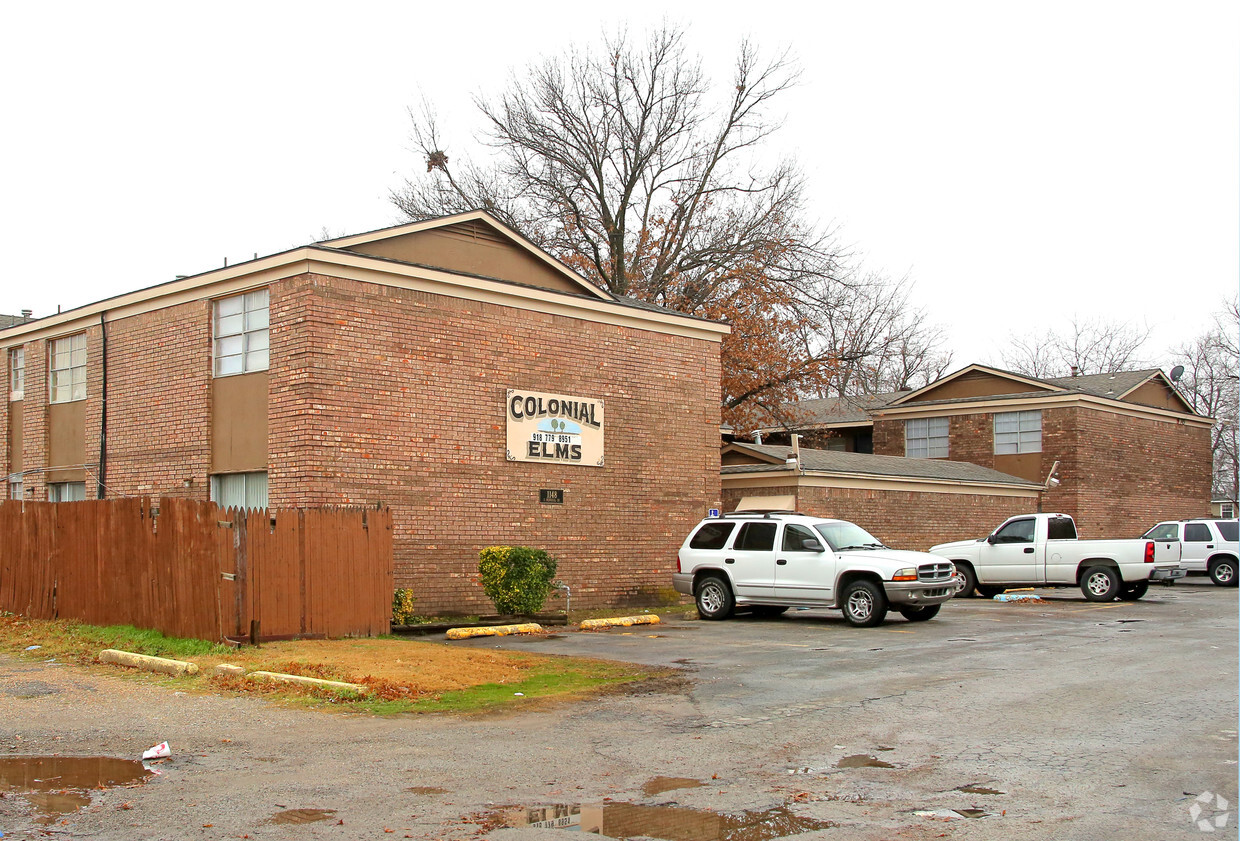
{"x":619,"y":621}
{"x":308,"y":681}
{"x":493,"y":631}
{"x":147,"y":663}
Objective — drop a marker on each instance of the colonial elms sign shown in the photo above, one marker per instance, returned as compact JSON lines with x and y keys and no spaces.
{"x":554,"y":428}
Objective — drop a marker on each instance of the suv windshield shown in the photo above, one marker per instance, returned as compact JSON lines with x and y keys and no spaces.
{"x":843,"y":536}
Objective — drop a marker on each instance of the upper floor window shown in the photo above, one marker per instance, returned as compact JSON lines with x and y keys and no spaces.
{"x":1018,"y":432}
{"x":925,"y":438}
{"x":17,"y":373}
{"x":67,"y":369}
{"x":1227,"y":509}
{"x":240,"y":331}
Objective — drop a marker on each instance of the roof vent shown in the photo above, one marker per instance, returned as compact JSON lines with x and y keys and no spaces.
{"x":757,"y":437}
{"x":27,"y":313}
{"x":1076,"y":372}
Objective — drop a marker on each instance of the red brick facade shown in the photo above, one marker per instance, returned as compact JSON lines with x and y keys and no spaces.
{"x":901,"y":519}
{"x":1119,"y":473}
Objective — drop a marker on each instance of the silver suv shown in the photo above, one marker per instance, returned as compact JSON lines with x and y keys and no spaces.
{"x":770,"y":562}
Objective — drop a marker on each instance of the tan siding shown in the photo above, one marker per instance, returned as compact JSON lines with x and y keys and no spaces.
{"x":239,"y":423}
{"x":974,"y":384}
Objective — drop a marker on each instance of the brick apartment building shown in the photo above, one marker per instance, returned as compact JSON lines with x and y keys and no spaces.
{"x":449,"y":369}
{"x":1129,"y":449}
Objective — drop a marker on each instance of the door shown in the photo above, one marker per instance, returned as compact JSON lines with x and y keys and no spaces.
{"x":1198,"y":544}
{"x":803,"y":576}
{"x":751,"y":561}
{"x":1009,"y":556}
{"x":1166,"y":537}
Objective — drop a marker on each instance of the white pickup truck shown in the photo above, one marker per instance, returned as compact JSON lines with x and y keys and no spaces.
{"x":1042,"y":550}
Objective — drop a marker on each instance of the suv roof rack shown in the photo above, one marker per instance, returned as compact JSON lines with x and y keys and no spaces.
{"x":764,"y":513}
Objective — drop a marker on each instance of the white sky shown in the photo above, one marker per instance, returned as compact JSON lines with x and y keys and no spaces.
{"x":1022,"y":162}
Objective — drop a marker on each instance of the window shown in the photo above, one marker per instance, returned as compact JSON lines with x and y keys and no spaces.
{"x":1197,"y":533}
{"x":1229,"y":529}
{"x":1060,"y":528}
{"x":841,"y":535}
{"x":66,"y":492}
{"x":925,"y":438}
{"x":1227,"y":509}
{"x":1017,"y":531}
{"x":795,"y":537}
{"x":712,"y":536}
{"x":1018,"y":432}
{"x":1163,"y":531}
{"x":241,"y":334}
{"x":836,"y":444}
{"x":15,"y":487}
{"x":755,"y":537}
{"x":67,"y":367}
{"x":17,"y":373}
{"x":239,"y":490}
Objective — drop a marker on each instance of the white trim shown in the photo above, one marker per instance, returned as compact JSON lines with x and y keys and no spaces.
{"x":1052,"y":400}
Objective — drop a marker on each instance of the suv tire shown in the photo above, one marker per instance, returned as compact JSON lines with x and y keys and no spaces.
{"x":1223,"y":572}
{"x":920,"y":614}
{"x":714,"y":597}
{"x":864,"y":604}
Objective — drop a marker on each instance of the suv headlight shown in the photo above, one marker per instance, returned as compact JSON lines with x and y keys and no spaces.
{"x":906,"y":574}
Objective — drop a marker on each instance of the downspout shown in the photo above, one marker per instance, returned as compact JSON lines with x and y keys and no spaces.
{"x":101,"y":476}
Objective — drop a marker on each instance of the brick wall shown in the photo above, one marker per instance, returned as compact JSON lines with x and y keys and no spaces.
{"x":902,"y":519}
{"x":159,"y":373}
{"x":34,"y":420}
{"x":395,"y":396}
{"x":1118,"y":474}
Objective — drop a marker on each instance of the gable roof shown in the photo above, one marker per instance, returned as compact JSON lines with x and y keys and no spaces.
{"x":1033,"y":384}
{"x":770,"y":457}
{"x":477,"y":224}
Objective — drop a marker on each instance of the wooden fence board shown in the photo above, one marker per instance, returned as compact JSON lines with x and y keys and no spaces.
{"x":196,"y":570}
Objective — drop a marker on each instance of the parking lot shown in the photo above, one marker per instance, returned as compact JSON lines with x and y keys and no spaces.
{"x":1064,"y":719}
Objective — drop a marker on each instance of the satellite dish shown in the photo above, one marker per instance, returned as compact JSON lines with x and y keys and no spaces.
{"x":1176,"y":373}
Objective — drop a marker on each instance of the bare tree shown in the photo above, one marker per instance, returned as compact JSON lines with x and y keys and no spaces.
{"x":1210,"y":384}
{"x":1090,"y":346}
{"x":621,"y":163}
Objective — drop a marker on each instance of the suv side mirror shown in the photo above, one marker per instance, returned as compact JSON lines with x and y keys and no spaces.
{"x":809,"y":544}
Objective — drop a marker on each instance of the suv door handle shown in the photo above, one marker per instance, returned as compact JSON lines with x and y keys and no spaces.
{"x":1028,"y":550}
{"x":1209,"y":545}
{"x":729,"y":560}
{"x":781,"y":562}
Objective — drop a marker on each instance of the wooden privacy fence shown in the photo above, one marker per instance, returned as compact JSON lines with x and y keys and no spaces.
{"x":193,"y":569}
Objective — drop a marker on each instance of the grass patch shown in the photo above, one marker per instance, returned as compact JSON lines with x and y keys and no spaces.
{"x":400,"y":675}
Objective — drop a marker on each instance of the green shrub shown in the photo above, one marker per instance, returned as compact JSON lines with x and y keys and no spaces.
{"x":516,"y":579}
{"x":402,"y":606}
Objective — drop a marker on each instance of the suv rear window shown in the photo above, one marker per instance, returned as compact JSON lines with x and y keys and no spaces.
{"x":712,"y":536}
{"x":1228,"y":529}
{"x":1197,"y":533}
{"x":756,"y":537}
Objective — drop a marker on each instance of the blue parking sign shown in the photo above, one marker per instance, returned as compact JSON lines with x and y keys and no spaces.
{"x":714,"y":512}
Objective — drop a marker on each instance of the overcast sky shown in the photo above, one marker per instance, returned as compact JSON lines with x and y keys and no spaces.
{"x":1022,"y":163}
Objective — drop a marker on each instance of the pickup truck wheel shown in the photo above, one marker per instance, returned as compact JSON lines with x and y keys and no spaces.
{"x":864,"y":604}
{"x":1100,"y":584}
{"x":1132,"y":592}
{"x":989,"y":591}
{"x":1223,"y":572}
{"x":920,"y":614}
{"x":969,"y":577}
{"x":714,"y":598}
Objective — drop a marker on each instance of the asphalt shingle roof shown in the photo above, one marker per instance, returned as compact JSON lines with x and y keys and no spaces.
{"x":833,"y":461}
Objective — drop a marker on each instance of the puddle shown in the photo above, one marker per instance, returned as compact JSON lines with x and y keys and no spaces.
{"x":862,"y":760}
{"x":669,"y":823}
{"x":658,"y":785}
{"x":302,"y":816}
{"x":60,"y":785}
{"x":979,"y":790}
{"x":971,"y":813}
{"x":426,"y":790}
{"x":536,"y":638}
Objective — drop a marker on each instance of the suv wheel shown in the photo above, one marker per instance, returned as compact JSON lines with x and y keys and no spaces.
{"x":714,"y":598}
{"x":864,"y":604}
{"x":1223,"y":572}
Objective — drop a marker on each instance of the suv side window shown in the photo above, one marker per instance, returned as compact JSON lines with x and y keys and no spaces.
{"x":1164,"y":531}
{"x":1229,"y":529}
{"x":755,"y":537}
{"x":1017,"y":531}
{"x":1197,"y":533}
{"x":795,"y":536}
{"x":712,"y":536}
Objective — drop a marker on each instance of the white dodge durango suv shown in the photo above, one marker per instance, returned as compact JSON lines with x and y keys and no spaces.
{"x":771,"y":562}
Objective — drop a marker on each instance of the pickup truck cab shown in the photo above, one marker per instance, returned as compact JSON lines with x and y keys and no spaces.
{"x":769,"y":562}
{"x":1042,"y":550}
{"x":1208,"y":546}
